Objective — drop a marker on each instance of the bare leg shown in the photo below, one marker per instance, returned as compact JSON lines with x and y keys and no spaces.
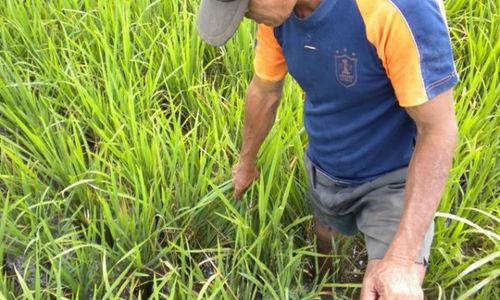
{"x":325,"y":236}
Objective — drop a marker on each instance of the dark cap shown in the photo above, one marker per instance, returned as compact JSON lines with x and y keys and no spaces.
{"x":219,"y":19}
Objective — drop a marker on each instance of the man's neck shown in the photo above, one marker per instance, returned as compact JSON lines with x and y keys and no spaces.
{"x":304,"y":8}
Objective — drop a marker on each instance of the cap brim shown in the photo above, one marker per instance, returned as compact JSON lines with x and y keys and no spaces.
{"x":218,"y":20}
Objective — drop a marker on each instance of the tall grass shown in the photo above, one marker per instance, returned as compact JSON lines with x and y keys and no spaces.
{"x":118,"y":130}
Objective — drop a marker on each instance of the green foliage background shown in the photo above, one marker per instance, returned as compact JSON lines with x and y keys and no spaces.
{"x":118,"y":131}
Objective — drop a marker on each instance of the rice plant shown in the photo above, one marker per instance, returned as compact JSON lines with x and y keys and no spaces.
{"x":118,"y":131}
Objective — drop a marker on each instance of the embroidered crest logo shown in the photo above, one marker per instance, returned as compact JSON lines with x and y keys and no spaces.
{"x":346,"y":68}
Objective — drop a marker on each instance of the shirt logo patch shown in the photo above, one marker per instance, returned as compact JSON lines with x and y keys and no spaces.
{"x":346,"y":68}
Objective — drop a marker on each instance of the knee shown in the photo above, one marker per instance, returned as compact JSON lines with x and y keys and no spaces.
{"x":323,"y":233}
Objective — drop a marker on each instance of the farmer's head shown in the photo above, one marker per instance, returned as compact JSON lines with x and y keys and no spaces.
{"x":219,"y":19}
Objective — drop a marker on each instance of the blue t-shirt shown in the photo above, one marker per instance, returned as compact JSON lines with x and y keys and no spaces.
{"x":360,"y":63}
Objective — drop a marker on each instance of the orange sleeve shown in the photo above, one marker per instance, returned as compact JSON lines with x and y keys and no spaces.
{"x":389,"y":33}
{"x":269,"y":61}
{"x":417,"y":67}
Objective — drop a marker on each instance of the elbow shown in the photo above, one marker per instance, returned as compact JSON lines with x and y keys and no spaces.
{"x":274,"y":100}
{"x":452,"y":137}
{"x":444,"y":134}
{"x":455,"y":136}
{"x":267,"y":95}
{"x":452,"y":134}
{"x":264,"y":100}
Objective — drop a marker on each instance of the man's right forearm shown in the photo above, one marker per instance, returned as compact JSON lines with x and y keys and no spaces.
{"x":261,"y":104}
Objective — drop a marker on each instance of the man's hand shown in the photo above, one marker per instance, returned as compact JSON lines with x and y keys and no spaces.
{"x":261,"y":104}
{"x":243,"y":176}
{"x":392,"y":279}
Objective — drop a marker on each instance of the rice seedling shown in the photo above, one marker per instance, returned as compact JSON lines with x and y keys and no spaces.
{"x":118,"y":131}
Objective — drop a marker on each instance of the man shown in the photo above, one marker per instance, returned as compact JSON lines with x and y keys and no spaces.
{"x":377,"y":75}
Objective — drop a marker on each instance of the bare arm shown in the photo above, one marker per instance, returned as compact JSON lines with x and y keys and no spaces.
{"x":427,"y":174}
{"x":262,"y":101}
{"x":396,"y":276}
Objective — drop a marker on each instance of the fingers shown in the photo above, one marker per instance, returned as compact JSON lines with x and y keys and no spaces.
{"x":238,"y":194}
{"x":368,"y":291}
{"x":404,"y":296}
{"x":240,"y":189}
{"x":389,"y":291}
{"x":243,"y":177}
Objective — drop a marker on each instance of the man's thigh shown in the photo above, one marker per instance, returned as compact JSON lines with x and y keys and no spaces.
{"x":374,"y":208}
{"x":380,"y":217}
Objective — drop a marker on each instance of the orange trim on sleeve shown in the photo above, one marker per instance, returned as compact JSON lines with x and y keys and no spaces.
{"x":388,"y":31}
{"x":269,"y":62}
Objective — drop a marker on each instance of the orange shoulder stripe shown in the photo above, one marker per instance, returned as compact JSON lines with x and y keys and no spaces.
{"x":388,"y":30}
{"x":269,"y":61}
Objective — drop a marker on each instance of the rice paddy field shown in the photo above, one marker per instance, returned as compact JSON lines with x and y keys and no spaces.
{"x":119,"y":128}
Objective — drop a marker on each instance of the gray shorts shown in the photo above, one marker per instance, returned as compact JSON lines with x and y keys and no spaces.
{"x":373,"y":208}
